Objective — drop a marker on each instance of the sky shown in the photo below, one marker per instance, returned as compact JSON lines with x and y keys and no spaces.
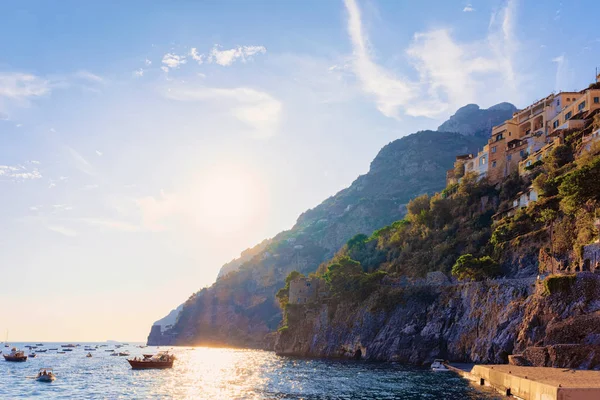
{"x":143,"y":144}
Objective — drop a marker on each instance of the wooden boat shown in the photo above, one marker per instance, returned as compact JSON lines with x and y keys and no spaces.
{"x":45,"y":375}
{"x":161,"y":360}
{"x":15,"y":355}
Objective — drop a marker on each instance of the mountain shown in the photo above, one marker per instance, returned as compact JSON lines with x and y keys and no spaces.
{"x":240,"y":308}
{"x":471,"y":120}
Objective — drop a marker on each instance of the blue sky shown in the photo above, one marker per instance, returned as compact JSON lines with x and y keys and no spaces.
{"x":143,"y":144}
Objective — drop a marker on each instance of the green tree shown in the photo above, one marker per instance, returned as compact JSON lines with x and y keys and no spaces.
{"x":579,"y":186}
{"x":548,"y":217}
{"x":469,"y":267}
{"x":343,"y":276}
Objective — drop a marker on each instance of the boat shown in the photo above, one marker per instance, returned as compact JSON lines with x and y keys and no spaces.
{"x":114,"y":354}
{"x":124,"y":354}
{"x":42,"y":350}
{"x":160,"y":360}
{"x":45,"y":375}
{"x":39,"y":344}
{"x":68,"y":345}
{"x":439,"y":365}
{"x":15,"y":355}
{"x":53,"y":349}
{"x":107,"y":350}
{"x":32,"y":355}
{"x":60,"y":352}
{"x":88,"y":355}
{"x":67,"y":349}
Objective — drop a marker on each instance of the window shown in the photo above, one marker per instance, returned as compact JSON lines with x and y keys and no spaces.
{"x":509,"y":133}
{"x":581,"y":106}
{"x":522,"y":153}
{"x":494,"y":149}
{"x":558,"y":103}
{"x":509,"y":157}
{"x":493,"y":164}
{"x":568,"y":99}
{"x":482,"y":161}
{"x":568,"y":115}
{"x":596,"y":100}
{"x":499,"y":137}
{"x":555,"y":124}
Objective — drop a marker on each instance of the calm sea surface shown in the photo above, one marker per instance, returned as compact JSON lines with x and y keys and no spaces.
{"x":205,"y":373}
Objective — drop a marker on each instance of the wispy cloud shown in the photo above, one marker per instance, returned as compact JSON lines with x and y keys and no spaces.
{"x":99,"y":153}
{"x":22,"y":87}
{"x":228,"y":57}
{"x":468,"y":8}
{"x":112,"y":224}
{"x":80,"y":162}
{"x":450,"y":73}
{"x":63,"y":230}
{"x":89,"y":76}
{"x":258,"y":110}
{"x":148,"y":62}
{"x":199,"y":58}
{"x":564,"y":73}
{"x":171,"y":60}
{"x":138,"y":73}
{"x":18,"y":173}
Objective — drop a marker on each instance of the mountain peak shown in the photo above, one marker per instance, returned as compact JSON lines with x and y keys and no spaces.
{"x":471,"y":119}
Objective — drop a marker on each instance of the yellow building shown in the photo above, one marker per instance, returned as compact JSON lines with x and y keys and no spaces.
{"x":575,"y":114}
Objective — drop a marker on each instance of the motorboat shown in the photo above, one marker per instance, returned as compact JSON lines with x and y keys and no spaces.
{"x":160,"y":360}
{"x":32,"y":355}
{"x":67,"y":349}
{"x":124,"y":354}
{"x":88,"y":355}
{"x":45,"y":375}
{"x":39,"y":344}
{"x":15,"y":355}
{"x":108,"y":350}
{"x":114,"y":354}
{"x":439,"y":365}
{"x":42,"y":350}
{"x":60,"y":352}
{"x":53,"y":349}
{"x":70,"y":345}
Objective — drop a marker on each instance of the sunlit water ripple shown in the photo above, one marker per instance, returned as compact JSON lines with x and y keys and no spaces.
{"x":206,"y":373}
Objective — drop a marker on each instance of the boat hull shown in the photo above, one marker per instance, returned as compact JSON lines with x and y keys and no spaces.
{"x":45,"y":378}
{"x":15,"y":358}
{"x":150,"y":364}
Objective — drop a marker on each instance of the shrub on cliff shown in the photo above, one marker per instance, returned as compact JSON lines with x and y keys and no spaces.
{"x":468,"y":267}
{"x":579,"y":186}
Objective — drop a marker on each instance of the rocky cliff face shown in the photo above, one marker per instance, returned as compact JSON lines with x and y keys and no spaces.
{"x":475,"y":322}
{"x":240,"y":308}
{"x":470,"y":119}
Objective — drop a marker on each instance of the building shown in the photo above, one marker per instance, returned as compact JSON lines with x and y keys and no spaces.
{"x":306,"y":290}
{"x":538,"y":155}
{"x":521,"y":200}
{"x":575,"y":114}
{"x":587,"y":142}
{"x":452,"y":176}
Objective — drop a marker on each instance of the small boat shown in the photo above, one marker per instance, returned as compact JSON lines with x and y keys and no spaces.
{"x":42,"y":350}
{"x":67,"y":349}
{"x":60,"y":352}
{"x":15,"y":355}
{"x":32,"y":355}
{"x":114,"y":354}
{"x":53,"y":349}
{"x":70,"y":345}
{"x":39,"y":344}
{"x":107,"y":350}
{"x":160,"y":360}
{"x":88,"y":355}
{"x":124,"y":354}
{"x":45,"y":375}
{"x":439,"y":365}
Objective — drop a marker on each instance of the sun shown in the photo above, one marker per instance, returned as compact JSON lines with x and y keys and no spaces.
{"x":229,"y":199}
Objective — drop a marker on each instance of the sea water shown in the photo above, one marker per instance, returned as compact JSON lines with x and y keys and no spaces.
{"x":212,"y":373}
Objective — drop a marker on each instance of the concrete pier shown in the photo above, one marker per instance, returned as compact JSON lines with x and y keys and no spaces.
{"x":534,"y":383}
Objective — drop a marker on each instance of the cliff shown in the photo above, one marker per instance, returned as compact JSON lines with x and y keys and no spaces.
{"x":240,"y":308}
{"x":482,"y":322}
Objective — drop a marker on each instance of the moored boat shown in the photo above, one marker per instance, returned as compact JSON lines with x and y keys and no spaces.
{"x":15,"y":355}
{"x":88,"y":355}
{"x":161,"y":360}
{"x":439,"y":365}
{"x":45,"y":375}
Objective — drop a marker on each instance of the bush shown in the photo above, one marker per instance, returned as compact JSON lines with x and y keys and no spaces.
{"x":475,"y":269}
{"x":579,"y":186}
{"x":559,"y":283}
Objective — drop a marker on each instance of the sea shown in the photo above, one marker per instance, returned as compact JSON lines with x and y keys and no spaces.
{"x":217,"y":373}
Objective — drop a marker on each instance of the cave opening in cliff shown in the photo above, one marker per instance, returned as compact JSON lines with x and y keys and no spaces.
{"x":358,"y":354}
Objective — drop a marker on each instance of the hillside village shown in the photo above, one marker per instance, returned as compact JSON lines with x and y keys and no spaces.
{"x":516,"y":230}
